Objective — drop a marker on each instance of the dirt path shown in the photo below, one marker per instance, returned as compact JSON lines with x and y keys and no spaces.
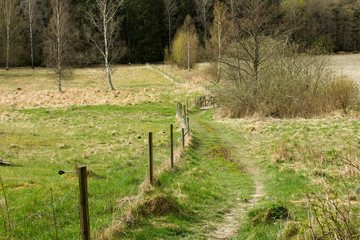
{"x":231,"y":223}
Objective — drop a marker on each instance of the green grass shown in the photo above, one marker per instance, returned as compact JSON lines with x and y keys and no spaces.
{"x":111,"y":140}
{"x":288,"y":157}
{"x":205,"y":187}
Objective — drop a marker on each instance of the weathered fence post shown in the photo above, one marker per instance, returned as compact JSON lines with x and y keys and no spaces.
{"x":151,"y":163}
{"x":187,"y":105}
{"x":183,"y":137}
{"x":180,"y":110}
{"x":171,"y":146}
{"x":84,"y":204}
{"x":188,"y":125}
{"x":177,"y":109}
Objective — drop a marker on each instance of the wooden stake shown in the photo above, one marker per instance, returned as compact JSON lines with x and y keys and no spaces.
{"x":6,"y":203}
{"x":84,"y":204}
{"x":151,"y":163}
{"x":188,"y":126}
{"x":183,"y":137}
{"x":54,"y":215}
{"x":171,"y":146}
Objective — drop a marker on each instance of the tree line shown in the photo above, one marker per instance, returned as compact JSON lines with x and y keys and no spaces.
{"x":43,"y":32}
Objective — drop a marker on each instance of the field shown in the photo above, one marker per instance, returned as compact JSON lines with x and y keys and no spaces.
{"x":239,"y":179}
{"x":347,"y":64}
{"x":43,"y":131}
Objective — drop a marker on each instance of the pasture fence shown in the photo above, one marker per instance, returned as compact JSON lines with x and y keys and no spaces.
{"x":92,"y":204}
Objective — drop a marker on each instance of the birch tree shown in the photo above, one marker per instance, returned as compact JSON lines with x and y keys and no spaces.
{"x":203,"y":9}
{"x":30,"y":8}
{"x":219,"y":36}
{"x":171,"y":10}
{"x":8,"y":13}
{"x":61,"y":33}
{"x":104,"y":17}
{"x":186,"y":45}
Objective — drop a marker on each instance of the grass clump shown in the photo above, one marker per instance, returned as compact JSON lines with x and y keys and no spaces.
{"x":269,"y":214}
{"x":158,"y":205}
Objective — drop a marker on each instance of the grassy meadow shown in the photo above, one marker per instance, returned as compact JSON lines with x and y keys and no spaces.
{"x":250,"y":178}
{"x":43,"y":131}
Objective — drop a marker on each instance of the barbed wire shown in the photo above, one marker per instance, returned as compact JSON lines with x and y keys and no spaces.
{"x":40,"y":211}
{"x":126,"y":193}
{"x":60,"y":222}
{"x":32,"y":194}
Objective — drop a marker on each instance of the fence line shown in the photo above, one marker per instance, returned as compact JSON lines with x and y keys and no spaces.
{"x":40,"y":211}
{"x":54,"y":208}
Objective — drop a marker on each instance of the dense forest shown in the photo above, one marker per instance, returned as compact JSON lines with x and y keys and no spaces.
{"x":140,"y":30}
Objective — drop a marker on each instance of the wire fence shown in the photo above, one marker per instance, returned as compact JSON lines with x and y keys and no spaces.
{"x":53,"y":210}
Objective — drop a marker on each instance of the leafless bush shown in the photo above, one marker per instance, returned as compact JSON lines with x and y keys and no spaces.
{"x":286,"y":84}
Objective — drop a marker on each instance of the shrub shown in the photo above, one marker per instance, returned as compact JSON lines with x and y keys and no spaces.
{"x":185,"y":46}
{"x":285,"y":84}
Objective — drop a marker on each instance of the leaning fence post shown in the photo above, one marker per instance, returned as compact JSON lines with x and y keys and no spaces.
{"x":171,"y":146}
{"x":151,"y":163}
{"x":183,"y":137}
{"x":84,"y":204}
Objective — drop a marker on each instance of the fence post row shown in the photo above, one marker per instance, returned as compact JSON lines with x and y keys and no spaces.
{"x":84,"y":204}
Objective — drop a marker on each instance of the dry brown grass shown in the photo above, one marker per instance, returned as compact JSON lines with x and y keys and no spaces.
{"x":25,"y":88}
{"x":346,"y":64}
{"x":71,"y":97}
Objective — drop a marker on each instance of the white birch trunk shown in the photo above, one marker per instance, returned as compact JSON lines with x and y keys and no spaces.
{"x":7,"y":14}
{"x":188,"y":55}
{"x":58,"y":32}
{"x":219,"y":52}
{"x":7,"y":46}
{"x":106,"y":46}
{"x":31,"y":33}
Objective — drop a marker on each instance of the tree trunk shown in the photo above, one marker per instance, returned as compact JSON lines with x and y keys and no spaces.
{"x":219,"y":53}
{"x":7,"y":46}
{"x":256,"y":62}
{"x":107,"y":65}
{"x":58,"y":45}
{"x":31,"y":35}
{"x":169,"y":31}
{"x":188,"y":55}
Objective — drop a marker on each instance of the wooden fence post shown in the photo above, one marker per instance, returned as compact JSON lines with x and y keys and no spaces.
{"x":187,"y":106}
{"x":188,"y":125}
{"x":177,"y":109}
{"x":180,"y":110}
{"x":151,"y":163}
{"x":84,"y":204}
{"x":183,"y":137}
{"x":171,"y":146}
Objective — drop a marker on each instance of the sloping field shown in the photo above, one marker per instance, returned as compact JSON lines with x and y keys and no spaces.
{"x":347,"y":64}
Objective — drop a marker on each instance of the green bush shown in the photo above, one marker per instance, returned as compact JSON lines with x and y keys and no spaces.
{"x":185,"y":47}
